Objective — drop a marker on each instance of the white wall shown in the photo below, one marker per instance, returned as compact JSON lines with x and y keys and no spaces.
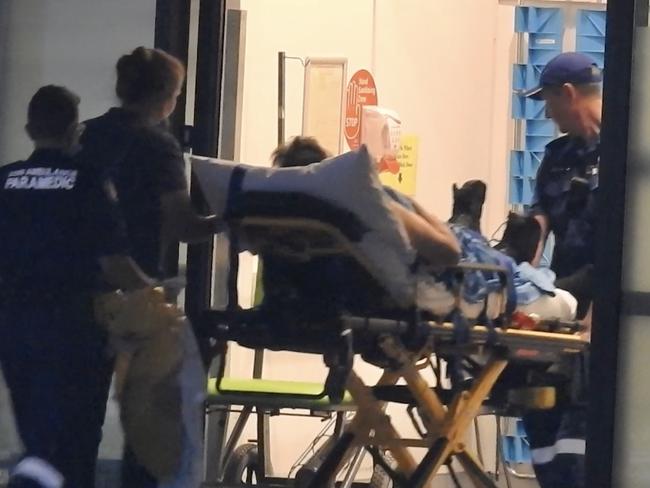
{"x":435,"y":65}
{"x":75,"y":43}
{"x":444,"y":65}
{"x":502,"y":125}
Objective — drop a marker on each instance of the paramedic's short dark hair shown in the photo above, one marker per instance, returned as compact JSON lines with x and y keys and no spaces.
{"x":51,"y":112}
{"x":585,"y":89}
{"x":300,"y":151}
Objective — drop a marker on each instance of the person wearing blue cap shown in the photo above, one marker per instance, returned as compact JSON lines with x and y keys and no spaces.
{"x":565,"y":203}
{"x":567,"y":180}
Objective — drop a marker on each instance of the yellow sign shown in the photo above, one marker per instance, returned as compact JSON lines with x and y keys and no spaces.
{"x":401,"y":176}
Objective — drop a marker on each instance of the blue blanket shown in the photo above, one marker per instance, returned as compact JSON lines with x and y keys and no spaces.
{"x":524,"y":283}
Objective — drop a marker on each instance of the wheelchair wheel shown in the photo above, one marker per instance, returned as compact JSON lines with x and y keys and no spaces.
{"x":243,"y":467}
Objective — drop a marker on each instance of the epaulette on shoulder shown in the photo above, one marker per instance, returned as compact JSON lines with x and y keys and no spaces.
{"x":558,"y":143}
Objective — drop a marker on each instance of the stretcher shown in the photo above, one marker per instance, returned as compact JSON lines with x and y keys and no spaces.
{"x":492,"y":365}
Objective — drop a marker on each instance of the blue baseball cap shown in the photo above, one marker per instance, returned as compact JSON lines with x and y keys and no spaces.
{"x":574,"y":68}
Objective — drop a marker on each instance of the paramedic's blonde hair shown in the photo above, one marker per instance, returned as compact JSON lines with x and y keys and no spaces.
{"x":148,"y":75}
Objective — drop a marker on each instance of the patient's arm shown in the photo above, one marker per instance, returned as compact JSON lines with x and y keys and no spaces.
{"x":182,"y":223}
{"x":430,"y":237}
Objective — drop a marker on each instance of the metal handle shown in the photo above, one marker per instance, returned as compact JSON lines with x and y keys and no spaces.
{"x":281,"y":93}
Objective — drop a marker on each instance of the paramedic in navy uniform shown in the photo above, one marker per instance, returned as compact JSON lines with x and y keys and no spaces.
{"x":565,"y":203}
{"x":146,"y":163}
{"x":61,"y":238}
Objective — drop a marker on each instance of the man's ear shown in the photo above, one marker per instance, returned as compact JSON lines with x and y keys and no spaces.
{"x":73,"y":132}
{"x":569,"y":91}
{"x":28,"y":129}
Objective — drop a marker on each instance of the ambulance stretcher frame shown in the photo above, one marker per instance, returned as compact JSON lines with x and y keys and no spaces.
{"x":445,"y":418}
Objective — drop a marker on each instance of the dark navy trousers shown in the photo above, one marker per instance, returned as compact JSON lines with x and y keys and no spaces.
{"x":58,"y":369}
{"x":557,"y":443}
{"x":557,"y":436}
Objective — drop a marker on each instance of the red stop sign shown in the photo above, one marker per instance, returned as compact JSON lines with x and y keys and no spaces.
{"x":361,"y":91}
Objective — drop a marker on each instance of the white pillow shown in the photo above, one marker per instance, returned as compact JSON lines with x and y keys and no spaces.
{"x":349,"y":182}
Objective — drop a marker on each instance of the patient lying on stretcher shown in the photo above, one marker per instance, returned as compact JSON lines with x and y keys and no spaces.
{"x":440,"y":245}
{"x":429,"y":236}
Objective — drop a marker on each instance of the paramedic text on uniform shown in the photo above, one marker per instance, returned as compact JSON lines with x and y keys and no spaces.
{"x":60,"y":231}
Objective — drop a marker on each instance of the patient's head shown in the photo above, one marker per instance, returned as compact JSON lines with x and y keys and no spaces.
{"x":299,"y":151}
{"x":468,"y":204}
{"x":521,"y":237}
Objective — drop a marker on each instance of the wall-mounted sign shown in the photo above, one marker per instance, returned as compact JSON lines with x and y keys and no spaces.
{"x":323,"y":101}
{"x":361,"y":91}
{"x":400,"y":175}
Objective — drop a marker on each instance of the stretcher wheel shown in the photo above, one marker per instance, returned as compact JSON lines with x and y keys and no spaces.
{"x":243,"y":466}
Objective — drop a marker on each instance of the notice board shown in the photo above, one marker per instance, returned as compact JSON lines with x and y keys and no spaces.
{"x":323,"y":101}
